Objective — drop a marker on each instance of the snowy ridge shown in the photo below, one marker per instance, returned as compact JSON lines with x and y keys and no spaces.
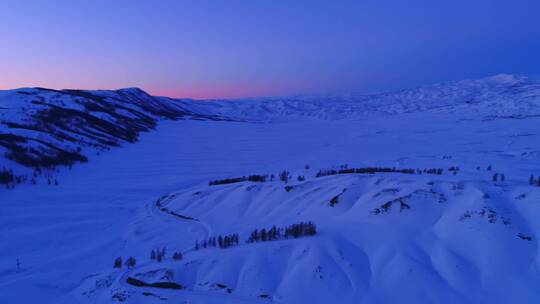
{"x":497,"y":96}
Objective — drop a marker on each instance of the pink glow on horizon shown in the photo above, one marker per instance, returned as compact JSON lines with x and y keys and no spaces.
{"x":229,"y":92}
{"x":195,"y":91}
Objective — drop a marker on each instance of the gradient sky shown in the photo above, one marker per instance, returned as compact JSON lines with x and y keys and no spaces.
{"x":211,"y":49}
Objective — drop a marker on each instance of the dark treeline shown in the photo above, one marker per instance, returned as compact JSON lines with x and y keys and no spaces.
{"x":371,"y":170}
{"x":42,"y":154}
{"x":250,"y":178}
{"x":262,"y":235}
{"x":284,"y":176}
{"x":219,"y":241}
{"x":277,"y":233}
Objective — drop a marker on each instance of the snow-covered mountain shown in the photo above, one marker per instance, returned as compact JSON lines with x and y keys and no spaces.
{"x":42,"y":129}
{"x":427,"y":195}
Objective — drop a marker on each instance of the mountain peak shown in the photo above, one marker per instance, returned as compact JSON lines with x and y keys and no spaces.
{"x":506,"y":79}
{"x":131,"y":90}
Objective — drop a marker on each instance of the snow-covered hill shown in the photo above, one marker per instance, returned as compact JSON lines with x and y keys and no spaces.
{"x":385,"y":239}
{"x":465,"y":234}
{"x":42,"y":129}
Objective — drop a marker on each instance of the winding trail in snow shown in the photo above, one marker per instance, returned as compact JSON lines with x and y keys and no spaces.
{"x":155,"y":209}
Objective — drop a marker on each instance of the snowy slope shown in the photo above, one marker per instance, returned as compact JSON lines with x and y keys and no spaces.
{"x":386,"y":238}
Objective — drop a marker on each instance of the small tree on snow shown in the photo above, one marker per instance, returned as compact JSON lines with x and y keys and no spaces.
{"x":117,"y":262}
{"x":177,"y":256}
{"x":130,"y":262}
{"x":284,"y":176}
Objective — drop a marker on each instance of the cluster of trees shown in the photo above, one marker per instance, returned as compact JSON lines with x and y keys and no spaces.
{"x":177,"y":256}
{"x":6,"y":176}
{"x":262,"y":235}
{"x":275,"y":233}
{"x":498,"y":177}
{"x":159,"y":255}
{"x":435,"y":171}
{"x":453,"y":169}
{"x":40,"y":155}
{"x":129,"y":263}
{"x":533,"y":181}
{"x":284,"y":176}
{"x":371,"y":170}
{"x":250,"y":178}
{"x":220,"y":241}
{"x":52,"y":182}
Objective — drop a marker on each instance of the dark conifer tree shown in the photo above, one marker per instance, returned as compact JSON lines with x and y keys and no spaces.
{"x":220,"y":241}
{"x":177,"y":256}
{"x":130,"y":262}
{"x":284,"y":176}
{"x":118,"y":262}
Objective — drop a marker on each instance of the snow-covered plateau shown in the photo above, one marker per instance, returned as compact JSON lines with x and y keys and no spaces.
{"x":429,"y":195}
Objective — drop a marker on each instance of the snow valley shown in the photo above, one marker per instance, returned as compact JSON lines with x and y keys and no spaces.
{"x":429,"y":195}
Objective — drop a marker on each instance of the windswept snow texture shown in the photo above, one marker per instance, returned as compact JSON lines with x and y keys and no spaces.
{"x":458,"y":237}
{"x":497,"y":96}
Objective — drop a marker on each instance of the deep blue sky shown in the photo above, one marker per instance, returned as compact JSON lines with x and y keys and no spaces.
{"x":254,"y":48}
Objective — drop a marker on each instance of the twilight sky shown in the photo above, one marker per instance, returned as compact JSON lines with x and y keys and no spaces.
{"x":211,"y":49}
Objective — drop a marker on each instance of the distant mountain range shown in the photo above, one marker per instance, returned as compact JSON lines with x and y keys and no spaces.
{"x":497,"y":96}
